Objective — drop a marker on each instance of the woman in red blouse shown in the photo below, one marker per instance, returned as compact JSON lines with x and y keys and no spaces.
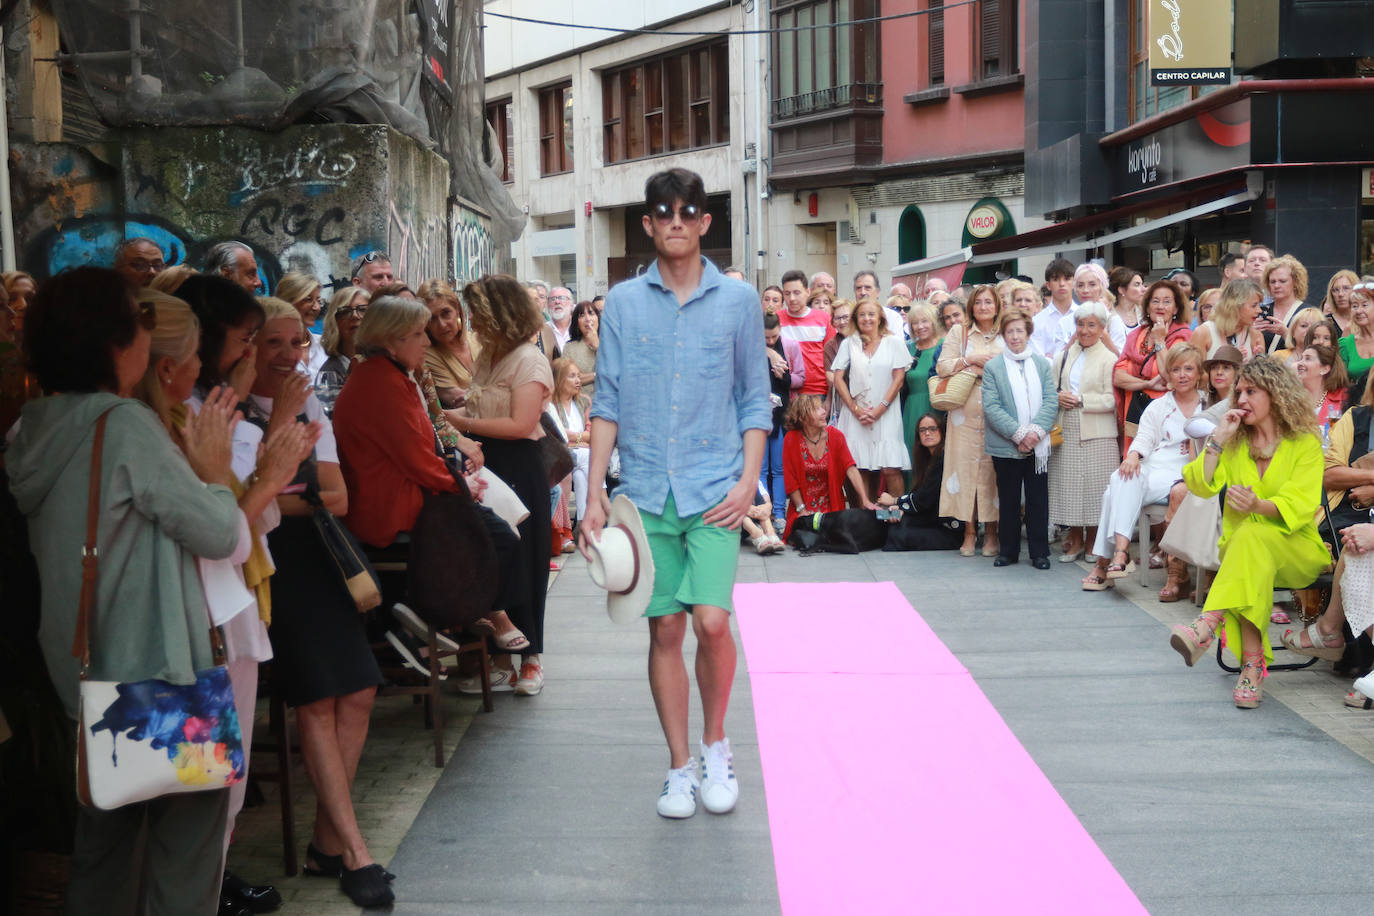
{"x":1138,"y":370}
{"x":387,"y":449}
{"x":816,"y":462}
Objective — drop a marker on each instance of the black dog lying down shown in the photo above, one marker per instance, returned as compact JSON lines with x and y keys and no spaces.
{"x":855,"y":530}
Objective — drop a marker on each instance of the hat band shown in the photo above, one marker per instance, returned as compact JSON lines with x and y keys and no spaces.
{"x":634,"y":555}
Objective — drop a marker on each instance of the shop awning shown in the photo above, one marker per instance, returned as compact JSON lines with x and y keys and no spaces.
{"x":1074,"y":233}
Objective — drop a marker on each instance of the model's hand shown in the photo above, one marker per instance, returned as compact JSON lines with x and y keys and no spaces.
{"x":729,"y":512}
{"x":598,"y":507}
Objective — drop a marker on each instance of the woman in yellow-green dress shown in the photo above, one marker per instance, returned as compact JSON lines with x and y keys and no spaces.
{"x":1266,"y":453}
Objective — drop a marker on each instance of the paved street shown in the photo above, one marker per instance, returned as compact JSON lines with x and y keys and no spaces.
{"x":546,"y":805}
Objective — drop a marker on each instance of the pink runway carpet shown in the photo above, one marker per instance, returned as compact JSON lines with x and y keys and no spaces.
{"x":893,"y":786}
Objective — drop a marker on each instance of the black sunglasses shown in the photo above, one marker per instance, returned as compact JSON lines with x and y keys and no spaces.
{"x":688,"y":213}
{"x":369,"y":258}
{"x":147,"y":316}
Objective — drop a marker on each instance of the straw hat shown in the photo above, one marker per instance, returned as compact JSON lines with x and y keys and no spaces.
{"x":620,"y":562}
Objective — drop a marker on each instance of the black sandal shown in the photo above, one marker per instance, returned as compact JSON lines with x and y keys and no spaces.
{"x":330,"y":866}
{"x":367,"y":886}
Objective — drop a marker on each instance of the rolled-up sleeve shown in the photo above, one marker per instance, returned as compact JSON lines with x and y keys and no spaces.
{"x":609,"y":360}
{"x":752,"y":406}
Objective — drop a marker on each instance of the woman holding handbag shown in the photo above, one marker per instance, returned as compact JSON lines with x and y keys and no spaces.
{"x":158,"y":509}
{"x":969,"y":488}
{"x":324,"y":664}
{"x":511,"y":385}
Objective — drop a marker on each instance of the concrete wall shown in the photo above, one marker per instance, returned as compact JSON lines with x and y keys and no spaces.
{"x":310,"y":198}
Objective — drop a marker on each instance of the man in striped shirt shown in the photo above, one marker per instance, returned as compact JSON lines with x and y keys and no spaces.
{"x":810,"y":328}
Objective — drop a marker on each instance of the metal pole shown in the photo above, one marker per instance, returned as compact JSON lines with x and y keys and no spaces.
{"x":6,"y":209}
{"x":135,"y":40}
{"x":238,"y":31}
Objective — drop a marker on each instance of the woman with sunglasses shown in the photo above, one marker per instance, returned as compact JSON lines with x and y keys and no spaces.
{"x":346,"y":310}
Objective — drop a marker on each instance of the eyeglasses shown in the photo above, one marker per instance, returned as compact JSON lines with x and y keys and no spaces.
{"x":142,"y":265}
{"x":147,"y":316}
{"x":927,"y":429}
{"x":561,"y":298}
{"x":348,"y":311}
{"x":688,"y":213}
{"x":904,"y":309}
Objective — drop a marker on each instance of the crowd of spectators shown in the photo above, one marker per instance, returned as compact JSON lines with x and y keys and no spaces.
{"x":963,"y":417}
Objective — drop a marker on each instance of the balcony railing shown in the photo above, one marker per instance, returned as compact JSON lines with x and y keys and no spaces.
{"x":852,"y":95}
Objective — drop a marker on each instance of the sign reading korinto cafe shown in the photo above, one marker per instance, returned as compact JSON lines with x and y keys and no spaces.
{"x":1189,"y":42}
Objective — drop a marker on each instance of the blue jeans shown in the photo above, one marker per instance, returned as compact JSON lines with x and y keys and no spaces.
{"x":770,"y":474}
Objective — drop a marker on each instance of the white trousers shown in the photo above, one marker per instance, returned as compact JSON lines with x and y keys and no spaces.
{"x":581,"y":462}
{"x":1123,"y":500}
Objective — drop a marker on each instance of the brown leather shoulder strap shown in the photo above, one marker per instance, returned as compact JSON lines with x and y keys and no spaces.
{"x":90,"y":561}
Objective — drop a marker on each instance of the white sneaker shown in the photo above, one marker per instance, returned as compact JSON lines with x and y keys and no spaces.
{"x":502,"y":681}
{"x":679,"y":796}
{"x":719,"y":790}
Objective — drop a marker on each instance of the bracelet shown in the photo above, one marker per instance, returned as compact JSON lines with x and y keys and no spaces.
{"x":885,"y":403}
{"x":1212,"y":446}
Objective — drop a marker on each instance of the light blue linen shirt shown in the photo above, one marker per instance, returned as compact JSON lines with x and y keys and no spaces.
{"x":683,"y":383}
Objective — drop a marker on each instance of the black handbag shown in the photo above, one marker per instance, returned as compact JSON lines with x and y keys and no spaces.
{"x":453,"y":576}
{"x":351,"y":563}
{"x":554,"y":451}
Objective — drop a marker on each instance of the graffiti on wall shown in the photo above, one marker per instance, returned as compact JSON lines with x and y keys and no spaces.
{"x":474,"y":249}
{"x":417,"y":244}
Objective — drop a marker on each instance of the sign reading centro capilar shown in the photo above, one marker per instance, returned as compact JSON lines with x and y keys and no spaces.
{"x":1189,"y":42}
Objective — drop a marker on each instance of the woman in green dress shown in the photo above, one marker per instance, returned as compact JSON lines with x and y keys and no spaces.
{"x":924,"y":347}
{"x":1266,"y":453}
{"x":1357,"y":346}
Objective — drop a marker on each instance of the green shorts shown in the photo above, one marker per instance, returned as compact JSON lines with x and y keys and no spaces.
{"x":694,"y":563}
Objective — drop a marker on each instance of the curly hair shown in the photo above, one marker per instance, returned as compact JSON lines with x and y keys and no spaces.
{"x":502,"y":315}
{"x":1295,"y":269}
{"x":1289,"y":403}
{"x":798,"y":409}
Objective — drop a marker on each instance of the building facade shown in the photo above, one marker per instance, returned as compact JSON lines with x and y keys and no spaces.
{"x":897,"y":139}
{"x":583,"y":117}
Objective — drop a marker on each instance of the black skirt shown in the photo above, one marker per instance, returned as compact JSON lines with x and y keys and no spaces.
{"x":517,"y":462}
{"x":318,"y":640}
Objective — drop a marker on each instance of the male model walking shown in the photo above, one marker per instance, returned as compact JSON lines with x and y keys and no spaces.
{"x":682,"y":387}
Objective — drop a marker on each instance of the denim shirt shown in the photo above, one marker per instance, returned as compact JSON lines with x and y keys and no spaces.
{"x":683,"y":383}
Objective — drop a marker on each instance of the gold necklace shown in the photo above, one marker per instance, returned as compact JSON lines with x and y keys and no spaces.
{"x":1263,"y":453}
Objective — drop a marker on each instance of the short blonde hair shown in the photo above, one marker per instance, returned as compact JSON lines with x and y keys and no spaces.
{"x":1182,"y":351}
{"x":388,"y":319}
{"x":923,"y":309}
{"x":1226,"y":313}
{"x":1295,"y":268}
{"x":274,"y":308}
{"x":295,"y":286}
{"x":1311,"y":313}
{"x":342,"y":298}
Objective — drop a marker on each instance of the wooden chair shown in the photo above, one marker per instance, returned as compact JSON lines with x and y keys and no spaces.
{"x":281,"y":745}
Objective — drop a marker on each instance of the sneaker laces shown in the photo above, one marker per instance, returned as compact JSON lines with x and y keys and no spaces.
{"x":683,"y":780}
{"x":718,"y":762}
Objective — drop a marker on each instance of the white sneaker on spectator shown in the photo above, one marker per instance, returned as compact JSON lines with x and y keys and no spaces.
{"x":719,"y":790}
{"x":419,"y":629}
{"x":502,"y":681}
{"x":679,"y":796}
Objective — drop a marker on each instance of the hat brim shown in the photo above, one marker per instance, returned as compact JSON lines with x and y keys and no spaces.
{"x":630,"y":606}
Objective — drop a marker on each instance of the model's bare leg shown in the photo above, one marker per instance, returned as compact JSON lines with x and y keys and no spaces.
{"x":668,"y":682}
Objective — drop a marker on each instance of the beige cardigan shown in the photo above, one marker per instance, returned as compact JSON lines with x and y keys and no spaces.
{"x":1098,"y":419}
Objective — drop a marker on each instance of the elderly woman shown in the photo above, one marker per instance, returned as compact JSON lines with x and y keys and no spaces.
{"x":1138,"y":372}
{"x":511,"y":385}
{"x":1082,"y":465}
{"x":303,"y":292}
{"x":1025,"y":298}
{"x":924,"y":346}
{"x":816,"y":463}
{"x":1336,"y":302}
{"x":969,"y":488}
{"x":159,"y":509}
{"x":1357,"y":346}
{"x":1152,"y":465}
{"x":1285,"y":280}
{"x":876,"y":361}
{"x":324,"y":663}
{"x":1090,"y":284}
{"x":585,"y":338}
{"x":1266,"y":454}
{"x":341,"y":320}
{"x":1233,"y":321}
{"x":1019,"y":407}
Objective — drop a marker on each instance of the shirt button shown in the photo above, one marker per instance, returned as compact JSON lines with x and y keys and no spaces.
{"x":671,"y":441}
{"x":676,"y":375}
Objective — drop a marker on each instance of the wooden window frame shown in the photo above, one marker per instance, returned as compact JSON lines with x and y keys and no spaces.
{"x":555,"y":141}
{"x":1001,"y":17}
{"x":853,"y":52}
{"x":1139,"y":56}
{"x":499,"y":115}
{"x":671,"y":118}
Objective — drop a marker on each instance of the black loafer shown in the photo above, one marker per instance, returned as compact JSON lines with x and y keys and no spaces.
{"x":367,"y":886}
{"x":229,"y":905}
{"x":257,"y":898}
{"x":1041,"y":562}
{"x":1004,"y":561}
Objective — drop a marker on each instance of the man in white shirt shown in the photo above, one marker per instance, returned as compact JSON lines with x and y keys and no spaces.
{"x":560,"y":314}
{"x":866,"y":287}
{"x":1054,"y":329}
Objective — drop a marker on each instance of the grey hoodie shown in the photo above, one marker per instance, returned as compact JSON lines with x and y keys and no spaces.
{"x":156,"y":517}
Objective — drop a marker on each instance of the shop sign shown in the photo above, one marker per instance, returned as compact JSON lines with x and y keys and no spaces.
{"x":1213,"y":141}
{"x":436,"y":17}
{"x":983,"y":222}
{"x":1189,"y":42}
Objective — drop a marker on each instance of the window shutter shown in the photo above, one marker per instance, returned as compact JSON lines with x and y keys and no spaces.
{"x":936,"y":52}
{"x":991,"y":21}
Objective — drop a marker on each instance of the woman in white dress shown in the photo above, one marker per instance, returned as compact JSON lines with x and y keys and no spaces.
{"x":877,"y":361}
